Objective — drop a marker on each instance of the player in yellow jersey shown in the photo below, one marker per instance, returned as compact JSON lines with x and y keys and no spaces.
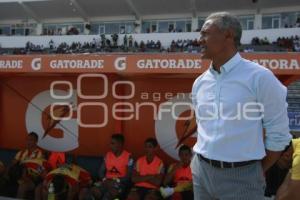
{"x":289,"y":190}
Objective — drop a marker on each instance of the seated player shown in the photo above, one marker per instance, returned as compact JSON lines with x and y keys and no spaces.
{"x":34,"y":170}
{"x":3,"y":179}
{"x":32,"y":151}
{"x":14,"y":173}
{"x":15,"y":170}
{"x":2,"y":168}
{"x":115,"y":172}
{"x":180,"y":177}
{"x":65,"y":182}
{"x":289,"y":190}
{"x":148,"y":174}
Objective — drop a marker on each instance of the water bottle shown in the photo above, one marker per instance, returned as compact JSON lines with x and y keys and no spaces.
{"x":51,"y":194}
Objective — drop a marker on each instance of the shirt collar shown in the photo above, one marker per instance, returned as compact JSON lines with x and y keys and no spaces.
{"x":229,"y":65}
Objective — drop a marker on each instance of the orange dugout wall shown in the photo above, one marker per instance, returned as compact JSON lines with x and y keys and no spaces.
{"x":98,"y":95}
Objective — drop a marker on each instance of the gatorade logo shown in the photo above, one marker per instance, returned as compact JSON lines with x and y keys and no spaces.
{"x":165,"y":128}
{"x":120,"y":63}
{"x":69,"y":128}
{"x":36,"y":64}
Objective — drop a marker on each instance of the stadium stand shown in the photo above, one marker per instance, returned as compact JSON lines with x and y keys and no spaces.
{"x":282,"y":44}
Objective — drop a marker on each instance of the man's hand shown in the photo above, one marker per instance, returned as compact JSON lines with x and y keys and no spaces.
{"x":270,"y":159}
{"x":285,"y":160}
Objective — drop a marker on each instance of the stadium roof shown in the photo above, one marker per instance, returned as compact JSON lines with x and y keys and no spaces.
{"x":86,"y":10}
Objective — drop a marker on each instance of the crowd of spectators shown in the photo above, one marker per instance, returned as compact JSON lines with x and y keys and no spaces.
{"x":192,"y":46}
{"x":61,"y":31}
{"x":258,"y":41}
{"x":128,"y":44}
{"x":286,"y":23}
{"x":105,"y":44}
{"x":290,"y":44}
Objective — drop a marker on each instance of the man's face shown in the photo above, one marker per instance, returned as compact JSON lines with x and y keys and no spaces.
{"x":149,"y":149}
{"x":31,"y":142}
{"x":115,"y":146}
{"x":185,"y":157}
{"x":212,"y":40}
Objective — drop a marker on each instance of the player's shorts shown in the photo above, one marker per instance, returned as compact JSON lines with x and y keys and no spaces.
{"x":142,"y":192}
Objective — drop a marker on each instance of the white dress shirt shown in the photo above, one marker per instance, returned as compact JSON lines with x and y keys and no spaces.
{"x":233,"y":107}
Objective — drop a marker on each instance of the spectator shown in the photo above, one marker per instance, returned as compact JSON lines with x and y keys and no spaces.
{"x":173,"y":46}
{"x":51,"y":44}
{"x":73,"y":31}
{"x":108,"y":43}
{"x":114,"y":38}
{"x":125,"y":40}
{"x":103,"y":40}
{"x":158,"y":44}
{"x":130,"y":41}
{"x":142,"y":46}
{"x":297,"y":22}
{"x":136,"y":45}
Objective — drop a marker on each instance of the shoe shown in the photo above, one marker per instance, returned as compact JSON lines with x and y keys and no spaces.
{"x":166,"y":191}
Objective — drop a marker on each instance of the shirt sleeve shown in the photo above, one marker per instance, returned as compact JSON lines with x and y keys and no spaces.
{"x":272,"y":95}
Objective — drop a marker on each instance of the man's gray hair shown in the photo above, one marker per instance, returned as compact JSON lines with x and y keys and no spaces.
{"x":225,"y":21}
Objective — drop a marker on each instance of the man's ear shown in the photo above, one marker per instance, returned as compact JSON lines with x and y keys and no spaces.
{"x":229,"y":34}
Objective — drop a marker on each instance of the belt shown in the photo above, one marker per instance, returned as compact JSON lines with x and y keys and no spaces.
{"x":221,"y":164}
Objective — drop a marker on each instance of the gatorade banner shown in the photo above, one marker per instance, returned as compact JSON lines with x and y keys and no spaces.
{"x":283,"y":63}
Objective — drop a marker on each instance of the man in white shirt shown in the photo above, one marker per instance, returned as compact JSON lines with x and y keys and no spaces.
{"x":234,"y":100}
